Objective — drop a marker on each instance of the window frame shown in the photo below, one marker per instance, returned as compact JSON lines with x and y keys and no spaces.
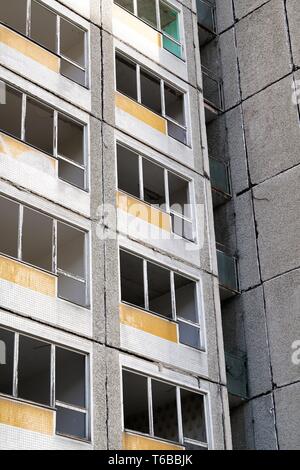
{"x":141,"y":157}
{"x":162,"y":81}
{"x":158,"y":26}
{"x":53,"y":402}
{"x":55,"y":271}
{"x":57,"y":52}
{"x":182,"y":440}
{"x":173,"y":318}
{"x":56,"y":113}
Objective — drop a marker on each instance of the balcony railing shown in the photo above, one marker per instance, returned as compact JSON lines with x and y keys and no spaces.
{"x":220,"y":176}
{"x":212,"y":89}
{"x":228,"y":273}
{"x":236,"y":370}
{"x":206,"y":13}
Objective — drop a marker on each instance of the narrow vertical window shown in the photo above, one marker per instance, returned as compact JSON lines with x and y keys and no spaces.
{"x":9,"y":216}
{"x":135,"y":402}
{"x":169,"y":19}
{"x":126,"y":77}
{"x":43,"y":26}
{"x":37,"y":239}
{"x":6,"y":361}
{"x":132,"y":276}
{"x":150,"y":91}
{"x":174,"y":109}
{"x":164,"y":411}
{"x":193,"y":418}
{"x":186,"y":311}
{"x":13,"y":14}
{"x":72,"y":50}
{"x":39,"y":125}
{"x":11,"y":112}
{"x":128,"y":171}
{"x":159,"y":287}
{"x":146,"y":10}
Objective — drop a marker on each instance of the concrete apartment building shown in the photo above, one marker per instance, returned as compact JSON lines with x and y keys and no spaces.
{"x":148,"y":201}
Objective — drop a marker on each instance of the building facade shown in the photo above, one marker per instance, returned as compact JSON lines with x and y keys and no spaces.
{"x":142,"y":289}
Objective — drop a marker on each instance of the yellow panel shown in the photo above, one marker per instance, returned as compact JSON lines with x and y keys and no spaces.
{"x":136,"y":442}
{"x":137,"y":208}
{"x":26,"y":276}
{"x":148,"y":322}
{"x":140,"y":112}
{"x":29,"y":48}
{"x":19,"y":150}
{"x":25,"y":416}
{"x":136,"y":25}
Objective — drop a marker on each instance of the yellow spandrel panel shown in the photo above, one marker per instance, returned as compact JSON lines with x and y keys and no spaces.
{"x":26,"y":154}
{"x":27,"y":276}
{"x":150,"y":323}
{"x":140,"y":112}
{"x":25,"y":416}
{"x":138,"y":27}
{"x":136,"y":442}
{"x":29,"y":48}
{"x":137,"y":208}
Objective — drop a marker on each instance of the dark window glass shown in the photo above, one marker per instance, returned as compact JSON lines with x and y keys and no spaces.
{"x":159,"y":288}
{"x":10,"y":111}
{"x":154,"y":183}
{"x":193,"y":416}
{"x":70,"y":250}
{"x":72,"y":42}
{"x":127,"y":4}
{"x":185,"y":293}
{"x":39,"y":126}
{"x":71,"y":423}
{"x":9,"y":216}
{"x":70,"y":377}
{"x":147,"y":11}
{"x":189,"y":335}
{"x":150,"y":91}
{"x":6,"y":361}
{"x":43,"y":26}
{"x":34,"y":370}
{"x":126,"y":77}
{"x":164,"y":411}
{"x":13,"y":13}
{"x":128,"y":171}
{"x":71,"y":71}
{"x":70,"y":139}
{"x":71,"y":174}
{"x":179,"y":195}
{"x":174,"y":103}
{"x":135,"y":402}
{"x":37,"y":239}
{"x":132,"y":286}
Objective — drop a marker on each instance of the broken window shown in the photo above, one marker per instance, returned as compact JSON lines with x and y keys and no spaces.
{"x":126,"y":77}
{"x":135,"y":402}
{"x":13,"y":14}
{"x":9,"y":216}
{"x":43,"y":26}
{"x":146,"y":10}
{"x":127,"y":4}
{"x":132,"y":275}
{"x":70,"y":393}
{"x":37,"y":239}
{"x":169,"y":21}
{"x":72,"y":49}
{"x":154,"y":185}
{"x":150,"y":91}
{"x":159,"y":289}
{"x":128,"y":171}
{"x":34,"y":370}
{"x":70,"y":149}
{"x":163,"y":410}
{"x":7,"y":339}
{"x":71,"y":264}
{"x":11,"y":111}
{"x":39,"y":125}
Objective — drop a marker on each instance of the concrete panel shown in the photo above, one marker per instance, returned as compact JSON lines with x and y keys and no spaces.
{"x":224,"y":12}
{"x":99,"y":404}
{"x":282,"y":307}
{"x":230,"y":75}
{"x":114,"y":400}
{"x":293,"y":16}
{"x":259,"y":38}
{"x":287,"y":402}
{"x":96,"y":71}
{"x":264,"y":423}
{"x":272,"y":131}
{"x":277,"y":213}
{"x":244,"y":7}
{"x":236,"y":151}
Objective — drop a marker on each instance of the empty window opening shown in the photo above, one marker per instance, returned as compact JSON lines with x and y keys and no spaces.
{"x":72,"y":49}
{"x":39,"y":125}
{"x":179,"y":194}
{"x":193,"y":416}
{"x":34,"y":370}
{"x":127,"y":4}
{"x":128,"y":171}
{"x":37,"y":239}
{"x":159,"y":288}
{"x":146,"y":10}
{"x":43,"y":26}
{"x":165,"y":411}
{"x":169,"y":20}
{"x":174,"y":108}
{"x":10,"y":112}
{"x":7,"y":339}
{"x":126,"y":77}
{"x":132,"y":284}
{"x":70,"y":149}
{"x":135,"y":402}
{"x":71,"y":264}
{"x":186,"y":311}
{"x":154,"y":185}
{"x":150,"y":91}
{"x":13,"y":14}
{"x":9,"y":214}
